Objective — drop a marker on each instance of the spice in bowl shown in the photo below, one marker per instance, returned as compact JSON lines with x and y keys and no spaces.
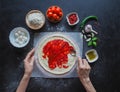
{"x":35,"y":19}
{"x":72,"y":18}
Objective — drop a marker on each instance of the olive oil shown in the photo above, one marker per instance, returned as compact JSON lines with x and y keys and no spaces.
{"x":91,"y":55}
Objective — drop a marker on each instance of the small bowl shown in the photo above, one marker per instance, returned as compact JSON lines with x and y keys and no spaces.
{"x":69,"y":20}
{"x":91,"y":55}
{"x":51,"y":18}
{"x":13,"y":38}
{"x":33,"y":26}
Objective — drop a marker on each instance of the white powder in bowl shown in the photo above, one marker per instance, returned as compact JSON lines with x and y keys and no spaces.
{"x":36,"y":19}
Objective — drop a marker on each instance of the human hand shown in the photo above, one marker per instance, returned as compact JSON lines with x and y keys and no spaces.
{"x":29,"y":62}
{"x":83,"y":69}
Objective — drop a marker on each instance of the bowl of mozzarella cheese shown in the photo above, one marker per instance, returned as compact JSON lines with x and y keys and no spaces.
{"x":19,"y":37}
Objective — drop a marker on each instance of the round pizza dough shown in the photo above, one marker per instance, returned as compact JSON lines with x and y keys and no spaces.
{"x":44,"y":62}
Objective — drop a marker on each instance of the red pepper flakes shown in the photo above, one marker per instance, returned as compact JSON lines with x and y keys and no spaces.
{"x":57,"y":53}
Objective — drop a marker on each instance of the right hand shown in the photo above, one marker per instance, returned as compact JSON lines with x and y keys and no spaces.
{"x":83,"y":69}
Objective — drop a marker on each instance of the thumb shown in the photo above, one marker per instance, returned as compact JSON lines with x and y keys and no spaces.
{"x":79,"y":61}
{"x":32,"y":60}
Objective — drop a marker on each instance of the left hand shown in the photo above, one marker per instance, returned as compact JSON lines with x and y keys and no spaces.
{"x":29,"y":62}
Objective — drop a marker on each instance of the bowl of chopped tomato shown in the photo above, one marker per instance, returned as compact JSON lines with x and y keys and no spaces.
{"x":54,"y":14}
{"x":72,"y":18}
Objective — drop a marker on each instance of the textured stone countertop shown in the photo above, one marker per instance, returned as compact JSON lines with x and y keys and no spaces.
{"x":105,"y":73}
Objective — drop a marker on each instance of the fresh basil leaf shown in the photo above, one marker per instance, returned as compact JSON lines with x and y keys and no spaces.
{"x":94,"y":38}
{"x":94,"y":44}
{"x":90,"y":43}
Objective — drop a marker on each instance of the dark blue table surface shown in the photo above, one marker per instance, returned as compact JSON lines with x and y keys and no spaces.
{"x":105,"y":73}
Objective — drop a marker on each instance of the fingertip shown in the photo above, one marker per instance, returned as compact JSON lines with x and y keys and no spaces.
{"x":77,"y":68}
{"x":24,"y":60}
{"x":33,"y":57}
{"x":79,"y":61}
{"x":31,"y":52}
{"x":79,"y":57}
{"x":84,"y":60}
{"x":32,"y":60}
{"x":33,"y":49}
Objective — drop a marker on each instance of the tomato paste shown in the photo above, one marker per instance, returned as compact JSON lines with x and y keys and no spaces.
{"x":72,"y":18}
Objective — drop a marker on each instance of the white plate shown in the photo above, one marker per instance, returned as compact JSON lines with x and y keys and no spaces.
{"x":12,"y":37}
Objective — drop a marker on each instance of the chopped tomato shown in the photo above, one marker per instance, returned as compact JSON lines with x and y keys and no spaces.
{"x":57,"y":53}
{"x":65,"y":66}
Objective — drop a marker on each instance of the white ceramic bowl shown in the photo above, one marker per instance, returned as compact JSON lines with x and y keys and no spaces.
{"x":12,"y":37}
{"x":94,"y":53}
{"x":67,"y":17}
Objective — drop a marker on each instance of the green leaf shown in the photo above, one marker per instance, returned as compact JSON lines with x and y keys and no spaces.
{"x":94,"y":38}
{"x":90,"y":43}
{"x":94,"y":44}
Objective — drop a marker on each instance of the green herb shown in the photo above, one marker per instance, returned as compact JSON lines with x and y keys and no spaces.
{"x":94,"y":44}
{"x":90,"y":43}
{"x":94,"y":38}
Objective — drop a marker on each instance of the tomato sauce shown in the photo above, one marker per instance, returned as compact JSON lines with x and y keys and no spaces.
{"x":72,"y":18}
{"x":57,"y":53}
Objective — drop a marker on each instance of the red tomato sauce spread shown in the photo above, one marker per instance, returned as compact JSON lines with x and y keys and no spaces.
{"x":57,"y":53}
